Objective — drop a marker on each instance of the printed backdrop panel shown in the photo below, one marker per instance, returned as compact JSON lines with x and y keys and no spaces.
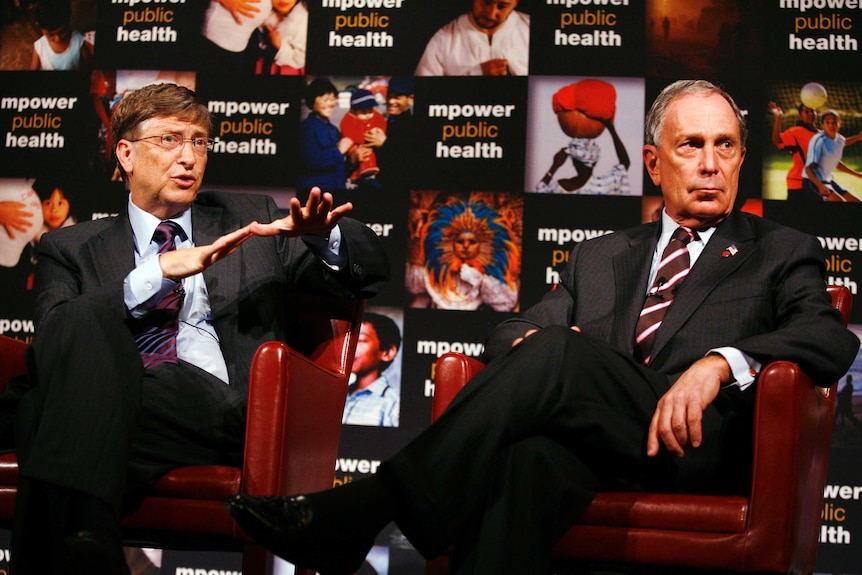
{"x":477,"y":186}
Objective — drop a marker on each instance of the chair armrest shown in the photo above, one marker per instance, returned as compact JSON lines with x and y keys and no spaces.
{"x":792,"y":433}
{"x":324,"y":328}
{"x":293,"y":425}
{"x":296,"y":398}
{"x":451,"y":372}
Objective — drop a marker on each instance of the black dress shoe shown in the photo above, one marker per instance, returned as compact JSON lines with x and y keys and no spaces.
{"x":94,"y":553}
{"x":289,"y":528}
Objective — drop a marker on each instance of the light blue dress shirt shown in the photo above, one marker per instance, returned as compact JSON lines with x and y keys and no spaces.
{"x":197,"y":341}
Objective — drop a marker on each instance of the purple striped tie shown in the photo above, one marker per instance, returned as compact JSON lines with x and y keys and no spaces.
{"x":157,"y":341}
{"x":671,"y":272}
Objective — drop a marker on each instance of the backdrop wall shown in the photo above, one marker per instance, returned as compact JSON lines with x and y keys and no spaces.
{"x":468,"y":155}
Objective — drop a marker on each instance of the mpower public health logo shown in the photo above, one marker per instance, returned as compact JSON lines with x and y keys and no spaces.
{"x":198,"y":571}
{"x":12,"y":325}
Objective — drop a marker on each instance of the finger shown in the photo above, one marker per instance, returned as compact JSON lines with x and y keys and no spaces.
{"x":239,"y":236}
{"x":679,"y":427}
{"x":250,"y":8}
{"x":235,"y":238}
{"x":225,"y":249}
{"x":337,"y":213}
{"x":313,"y":198}
{"x":575,"y":328}
{"x":652,"y":436}
{"x":695,"y":430}
{"x":296,"y":210}
{"x":326,"y":203}
{"x":665,"y":429}
{"x":342,"y":210}
{"x":270,"y":229}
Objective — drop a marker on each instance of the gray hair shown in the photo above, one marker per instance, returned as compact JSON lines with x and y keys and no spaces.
{"x":654,"y":122}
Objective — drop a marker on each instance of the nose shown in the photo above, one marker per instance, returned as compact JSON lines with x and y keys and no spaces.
{"x":187,"y":154}
{"x":488,"y":9}
{"x":709,"y":159}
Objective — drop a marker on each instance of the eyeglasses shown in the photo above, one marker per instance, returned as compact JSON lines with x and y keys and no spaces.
{"x":173,"y":141}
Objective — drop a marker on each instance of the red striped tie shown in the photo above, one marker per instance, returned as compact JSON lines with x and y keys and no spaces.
{"x":157,"y":341}
{"x":671,"y":272}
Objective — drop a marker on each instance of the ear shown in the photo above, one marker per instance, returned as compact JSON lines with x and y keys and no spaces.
{"x":651,"y":161}
{"x":388,"y":355}
{"x":125,"y":155}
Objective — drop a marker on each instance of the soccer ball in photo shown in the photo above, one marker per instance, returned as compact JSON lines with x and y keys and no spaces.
{"x":813,"y":95}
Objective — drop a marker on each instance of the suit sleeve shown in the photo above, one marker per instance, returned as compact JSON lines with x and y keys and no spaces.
{"x":60,"y":278}
{"x":806,"y":328}
{"x":555,"y":308}
{"x":363,"y":275}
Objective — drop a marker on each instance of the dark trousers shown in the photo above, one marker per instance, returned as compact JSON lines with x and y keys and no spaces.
{"x":522,"y":450}
{"x":96,"y":425}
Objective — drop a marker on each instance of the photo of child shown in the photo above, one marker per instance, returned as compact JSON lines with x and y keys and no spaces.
{"x":359,"y":121}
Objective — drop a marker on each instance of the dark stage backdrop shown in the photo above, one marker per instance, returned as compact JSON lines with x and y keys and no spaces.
{"x":467,"y":157}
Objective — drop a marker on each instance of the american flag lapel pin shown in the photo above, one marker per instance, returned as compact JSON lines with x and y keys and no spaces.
{"x":729,"y":251}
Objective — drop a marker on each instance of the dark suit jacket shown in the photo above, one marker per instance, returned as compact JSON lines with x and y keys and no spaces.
{"x":84,"y":265}
{"x":767,"y":299}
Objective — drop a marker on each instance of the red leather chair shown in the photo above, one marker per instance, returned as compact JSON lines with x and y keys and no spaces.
{"x":295,"y":401}
{"x":773,"y":530}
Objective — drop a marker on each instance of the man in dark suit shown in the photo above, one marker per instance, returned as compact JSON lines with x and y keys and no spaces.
{"x":573,"y":401}
{"x":103,"y":422}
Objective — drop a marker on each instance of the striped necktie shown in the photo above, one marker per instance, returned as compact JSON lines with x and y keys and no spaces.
{"x":671,"y":271}
{"x":157,"y":340}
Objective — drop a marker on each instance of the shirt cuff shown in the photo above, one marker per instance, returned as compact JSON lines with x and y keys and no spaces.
{"x":743,"y":368}
{"x":328,"y":249}
{"x":142,"y":284}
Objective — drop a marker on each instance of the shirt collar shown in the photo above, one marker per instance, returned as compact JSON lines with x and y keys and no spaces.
{"x":668,"y":226}
{"x":144,"y":224}
{"x":378,"y":387}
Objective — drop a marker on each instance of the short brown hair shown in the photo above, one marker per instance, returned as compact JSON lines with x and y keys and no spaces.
{"x":152,"y":101}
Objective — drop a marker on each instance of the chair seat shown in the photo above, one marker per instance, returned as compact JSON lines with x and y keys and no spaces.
{"x":214,"y":482}
{"x":8,"y":469}
{"x":704,"y":513}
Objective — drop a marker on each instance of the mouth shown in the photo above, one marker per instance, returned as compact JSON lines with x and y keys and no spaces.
{"x":184,"y":181}
{"x":485,"y":22}
{"x":706,"y":190}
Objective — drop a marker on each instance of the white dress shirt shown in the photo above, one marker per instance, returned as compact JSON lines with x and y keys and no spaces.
{"x":743,"y":367}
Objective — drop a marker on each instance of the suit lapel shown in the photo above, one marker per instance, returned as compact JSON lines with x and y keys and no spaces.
{"x":631,"y":273}
{"x":714,"y":264}
{"x":223,"y":278}
{"x":113,"y":251}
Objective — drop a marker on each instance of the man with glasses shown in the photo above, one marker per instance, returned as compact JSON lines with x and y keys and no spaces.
{"x":121,"y":399}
